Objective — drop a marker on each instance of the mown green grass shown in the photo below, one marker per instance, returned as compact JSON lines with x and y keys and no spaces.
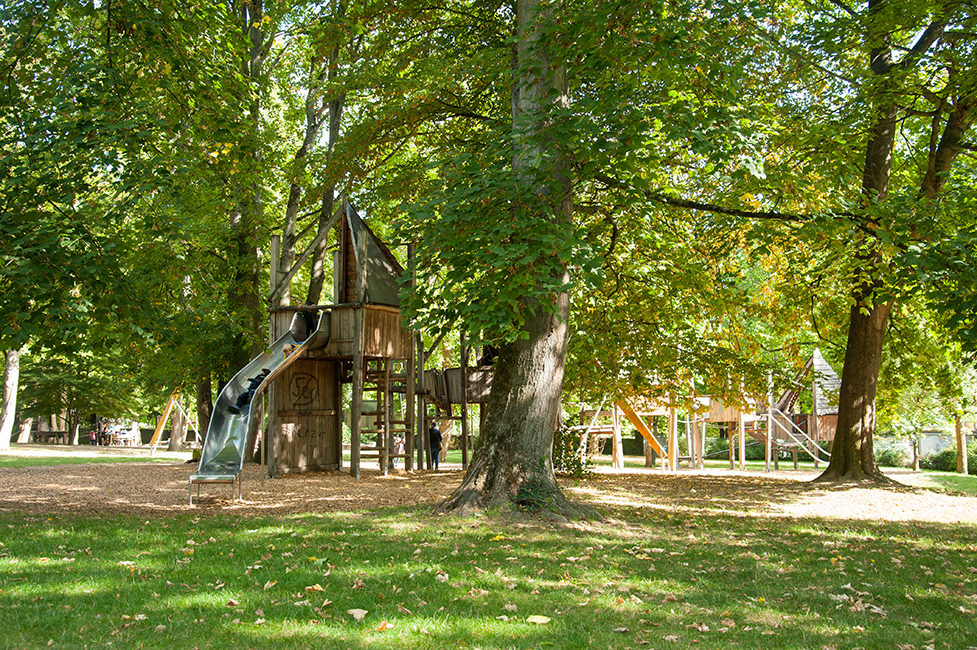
{"x":642,"y":579}
{"x":930,"y":479}
{"x":948,"y":481}
{"x":35,"y":461}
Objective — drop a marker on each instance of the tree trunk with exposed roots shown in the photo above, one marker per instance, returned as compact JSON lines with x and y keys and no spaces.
{"x":513,"y":462}
{"x":852,"y":456}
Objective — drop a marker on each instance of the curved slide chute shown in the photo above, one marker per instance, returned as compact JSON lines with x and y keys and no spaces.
{"x":225,"y":443}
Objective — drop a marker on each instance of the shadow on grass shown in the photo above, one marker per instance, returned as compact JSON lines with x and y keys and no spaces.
{"x":713,"y":580}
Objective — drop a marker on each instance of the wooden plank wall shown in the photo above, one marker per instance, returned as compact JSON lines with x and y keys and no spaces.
{"x":479,"y":384}
{"x":720,"y":412}
{"x":307,"y":397}
{"x":383,"y":334}
{"x":349,"y":262}
{"x":827,"y":424}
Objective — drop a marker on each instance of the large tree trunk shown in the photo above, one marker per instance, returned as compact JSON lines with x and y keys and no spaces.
{"x":25,"y":431}
{"x":852,"y":452}
{"x":962,"y":459}
{"x":245,"y":220}
{"x":205,"y":405}
{"x":513,"y":462}
{"x":852,"y":455}
{"x":318,"y":275}
{"x":177,"y":430}
{"x":8,"y":413}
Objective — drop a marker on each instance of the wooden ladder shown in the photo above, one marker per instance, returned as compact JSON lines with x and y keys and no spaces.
{"x":388,"y":421}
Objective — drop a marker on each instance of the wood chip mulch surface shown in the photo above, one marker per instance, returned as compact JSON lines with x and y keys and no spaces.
{"x":160,"y":489}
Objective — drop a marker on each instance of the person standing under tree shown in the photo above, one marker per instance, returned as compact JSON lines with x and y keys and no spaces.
{"x":435,"y":435}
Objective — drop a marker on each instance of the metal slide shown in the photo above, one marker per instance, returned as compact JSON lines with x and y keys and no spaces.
{"x":224,"y":450}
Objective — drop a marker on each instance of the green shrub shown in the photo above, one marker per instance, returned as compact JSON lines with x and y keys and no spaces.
{"x":945,"y":460}
{"x":891,"y":452}
{"x":720,"y":446}
{"x":567,"y":461}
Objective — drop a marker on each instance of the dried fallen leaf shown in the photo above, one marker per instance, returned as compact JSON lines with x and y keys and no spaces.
{"x":620,"y":630}
{"x":384,"y":626}
{"x":404,"y":610}
{"x":357,"y":614}
{"x":538,"y":620}
{"x":232,"y":603}
{"x":670,"y":598}
{"x":315,"y":587}
{"x":270,"y":584}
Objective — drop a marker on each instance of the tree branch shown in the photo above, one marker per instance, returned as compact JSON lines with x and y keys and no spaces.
{"x":663,"y":199}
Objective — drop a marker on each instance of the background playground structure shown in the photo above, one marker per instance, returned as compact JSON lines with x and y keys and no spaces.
{"x":772,"y":424}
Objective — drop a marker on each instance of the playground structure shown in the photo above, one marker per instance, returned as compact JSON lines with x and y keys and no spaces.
{"x":797,"y":434}
{"x":298,"y":411}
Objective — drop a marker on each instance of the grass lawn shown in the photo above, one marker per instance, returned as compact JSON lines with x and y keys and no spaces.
{"x":34,"y":461}
{"x":929,"y":479}
{"x":642,"y":579}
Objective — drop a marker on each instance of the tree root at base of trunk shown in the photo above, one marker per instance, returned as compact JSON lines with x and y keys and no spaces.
{"x":858,"y":477}
{"x":554,"y":506}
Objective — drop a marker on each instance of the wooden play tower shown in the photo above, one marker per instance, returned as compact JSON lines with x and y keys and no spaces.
{"x":365,"y":346}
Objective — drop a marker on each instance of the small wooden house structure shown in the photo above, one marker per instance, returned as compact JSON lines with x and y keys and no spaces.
{"x":367,"y":347}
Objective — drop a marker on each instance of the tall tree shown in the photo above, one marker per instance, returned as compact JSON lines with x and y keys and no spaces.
{"x":8,"y":412}
{"x":890,"y":92}
{"x":514,"y":460}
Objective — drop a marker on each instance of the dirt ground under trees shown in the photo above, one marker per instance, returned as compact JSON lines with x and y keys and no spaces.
{"x":160,"y":489}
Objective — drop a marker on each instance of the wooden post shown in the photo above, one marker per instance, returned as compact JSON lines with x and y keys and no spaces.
{"x":463,"y":345}
{"x":649,"y":452}
{"x":742,"y":440}
{"x":356,"y":410}
{"x":815,"y":426}
{"x":729,"y":439}
{"x":264,"y":438}
{"x":422,"y":438}
{"x":768,"y":446}
{"x":386,"y":437}
{"x":412,"y":374}
{"x":672,"y":435}
{"x":337,"y":277}
{"x":962,"y":459}
{"x":268,"y":439}
{"x":617,"y":446}
{"x":702,"y":445}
